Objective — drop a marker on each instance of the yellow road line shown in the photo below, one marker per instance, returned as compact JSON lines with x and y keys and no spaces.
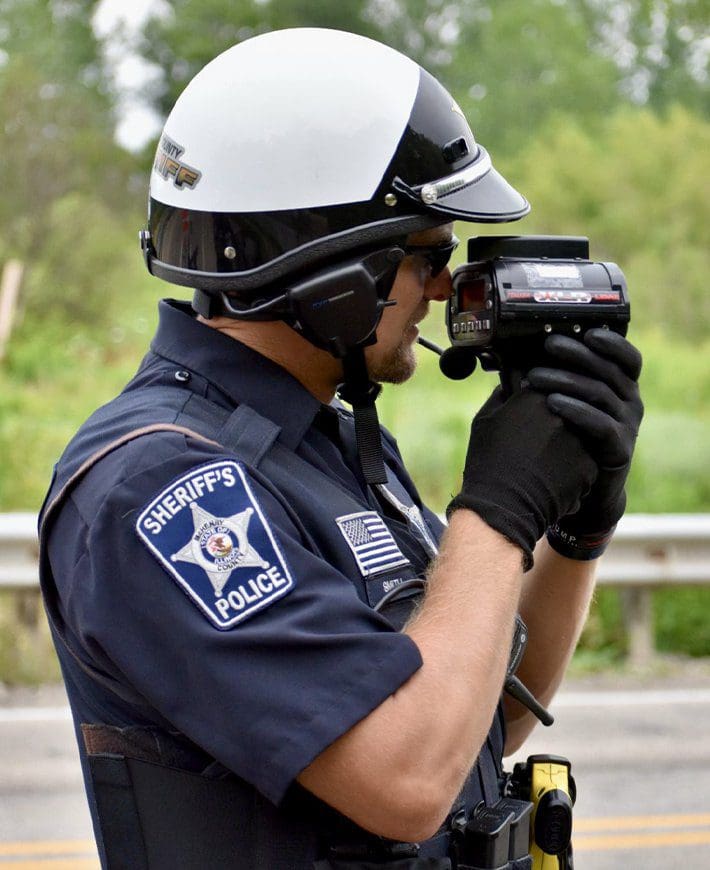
{"x":625,"y":823}
{"x":640,"y":841}
{"x":51,"y":847}
{"x":590,"y":835}
{"x":54,"y":864}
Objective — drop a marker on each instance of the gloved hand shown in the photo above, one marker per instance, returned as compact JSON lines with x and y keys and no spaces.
{"x":524,"y":468}
{"x":594,"y":389}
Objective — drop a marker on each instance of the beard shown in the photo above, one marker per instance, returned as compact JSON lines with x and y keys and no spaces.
{"x":399,"y":364}
{"x":396,"y":367}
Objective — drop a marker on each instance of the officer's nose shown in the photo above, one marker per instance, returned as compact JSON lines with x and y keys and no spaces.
{"x":439,"y":288}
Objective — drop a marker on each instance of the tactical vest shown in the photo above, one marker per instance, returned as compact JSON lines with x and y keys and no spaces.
{"x":160,"y":803}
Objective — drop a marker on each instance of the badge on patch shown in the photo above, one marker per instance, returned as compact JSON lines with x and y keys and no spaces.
{"x":208,"y":532}
{"x":371,"y":542}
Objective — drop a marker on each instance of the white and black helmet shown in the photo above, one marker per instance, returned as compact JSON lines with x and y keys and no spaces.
{"x":288,"y":176}
{"x":298,"y":147}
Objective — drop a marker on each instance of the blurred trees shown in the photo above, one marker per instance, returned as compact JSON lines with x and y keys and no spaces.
{"x":661,"y":48}
{"x":60,"y":162}
{"x":638,"y":187}
{"x":515,"y":64}
{"x":511,"y":64}
{"x":544,"y":83}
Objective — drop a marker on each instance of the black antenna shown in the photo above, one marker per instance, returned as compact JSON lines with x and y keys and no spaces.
{"x":429,"y":345}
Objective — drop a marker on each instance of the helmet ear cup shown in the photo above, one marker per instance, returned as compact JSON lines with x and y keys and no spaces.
{"x":339,"y":308}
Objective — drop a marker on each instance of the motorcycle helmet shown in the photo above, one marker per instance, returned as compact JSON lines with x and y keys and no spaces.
{"x":298,"y":147}
{"x":288,"y":176}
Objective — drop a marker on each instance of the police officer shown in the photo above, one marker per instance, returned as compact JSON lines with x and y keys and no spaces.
{"x":231,"y":558}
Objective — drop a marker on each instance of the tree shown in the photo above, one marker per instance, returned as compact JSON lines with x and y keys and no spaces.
{"x":509,"y":63}
{"x":57,"y":135}
{"x":636,"y":188}
{"x":517,"y":62}
{"x":661,"y":48}
{"x":192,"y":32}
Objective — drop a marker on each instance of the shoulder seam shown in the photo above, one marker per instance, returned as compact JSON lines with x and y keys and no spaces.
{"x":127,"y":437}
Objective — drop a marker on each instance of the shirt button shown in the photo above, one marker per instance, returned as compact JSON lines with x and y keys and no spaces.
{"x":182,"y":376}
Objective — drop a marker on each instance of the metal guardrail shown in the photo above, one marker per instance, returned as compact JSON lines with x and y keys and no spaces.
{"x":658,"y":549}
{"x":648,"y":551}
{"x":19,"y":552}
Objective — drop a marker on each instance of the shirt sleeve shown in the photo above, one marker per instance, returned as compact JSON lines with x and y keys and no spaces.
{"x":209,"y":601}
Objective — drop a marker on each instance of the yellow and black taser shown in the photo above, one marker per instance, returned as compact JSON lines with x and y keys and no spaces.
{"x":546,"y":781}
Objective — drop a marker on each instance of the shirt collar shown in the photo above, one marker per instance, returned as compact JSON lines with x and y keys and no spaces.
{"x":235,"y":369}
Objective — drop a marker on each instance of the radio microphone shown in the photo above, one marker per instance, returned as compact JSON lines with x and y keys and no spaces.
{"x":457,"y":363}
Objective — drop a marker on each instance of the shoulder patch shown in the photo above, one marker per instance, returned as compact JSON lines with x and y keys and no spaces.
{"x":208,"y":531}
{"x":371,"y":542}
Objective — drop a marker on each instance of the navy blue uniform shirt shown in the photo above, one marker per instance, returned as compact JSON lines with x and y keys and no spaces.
{"x":235,"y":611}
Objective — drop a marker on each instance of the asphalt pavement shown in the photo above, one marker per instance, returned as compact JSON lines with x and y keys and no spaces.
{"x":638,"y":743}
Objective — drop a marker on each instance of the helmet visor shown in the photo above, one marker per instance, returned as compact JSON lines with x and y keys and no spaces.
{"x":478,"y":192}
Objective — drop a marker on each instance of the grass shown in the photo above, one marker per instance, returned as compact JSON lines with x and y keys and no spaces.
{"x":27,"y":656}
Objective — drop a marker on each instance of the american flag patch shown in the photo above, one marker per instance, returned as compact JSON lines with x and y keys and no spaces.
{"x":371,"y":542}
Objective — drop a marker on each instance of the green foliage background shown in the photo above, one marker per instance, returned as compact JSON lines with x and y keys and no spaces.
{"x":603,"y":122}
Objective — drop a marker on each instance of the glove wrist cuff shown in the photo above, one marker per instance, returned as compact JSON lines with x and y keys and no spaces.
{"x":581,"y":547}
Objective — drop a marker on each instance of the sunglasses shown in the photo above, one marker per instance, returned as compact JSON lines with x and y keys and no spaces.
{"x":437,"y":256}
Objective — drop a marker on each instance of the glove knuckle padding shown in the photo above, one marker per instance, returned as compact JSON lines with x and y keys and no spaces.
{"x":616,"y":348}
{"x":585,"y":361}
{"x":559,"y":452}
{"x":601,"y":374}
{"x":586,"y":389}
{"x":603,"y":434}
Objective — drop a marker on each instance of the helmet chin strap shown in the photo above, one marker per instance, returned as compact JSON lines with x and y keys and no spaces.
{"x":337,"y":308}
{"x":359,"y":391}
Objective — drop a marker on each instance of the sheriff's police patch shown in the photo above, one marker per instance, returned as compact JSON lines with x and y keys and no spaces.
{"x":208,"y":532}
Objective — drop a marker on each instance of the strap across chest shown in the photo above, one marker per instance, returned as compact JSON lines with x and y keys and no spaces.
{"x":251,"y":438}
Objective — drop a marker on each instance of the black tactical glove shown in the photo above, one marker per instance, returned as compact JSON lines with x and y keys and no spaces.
{"x":594,"y":389}
{"x":524,"y":468}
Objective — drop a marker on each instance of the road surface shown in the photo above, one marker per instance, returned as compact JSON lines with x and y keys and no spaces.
{"x":640,"y":754}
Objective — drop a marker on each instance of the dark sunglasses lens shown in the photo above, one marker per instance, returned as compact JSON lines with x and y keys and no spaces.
{"x":438,"y":261}
{"x":439,"y":257}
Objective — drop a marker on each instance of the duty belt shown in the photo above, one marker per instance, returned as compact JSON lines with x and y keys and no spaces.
{"x":490,"y":838}
{"x":153,"y":816}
